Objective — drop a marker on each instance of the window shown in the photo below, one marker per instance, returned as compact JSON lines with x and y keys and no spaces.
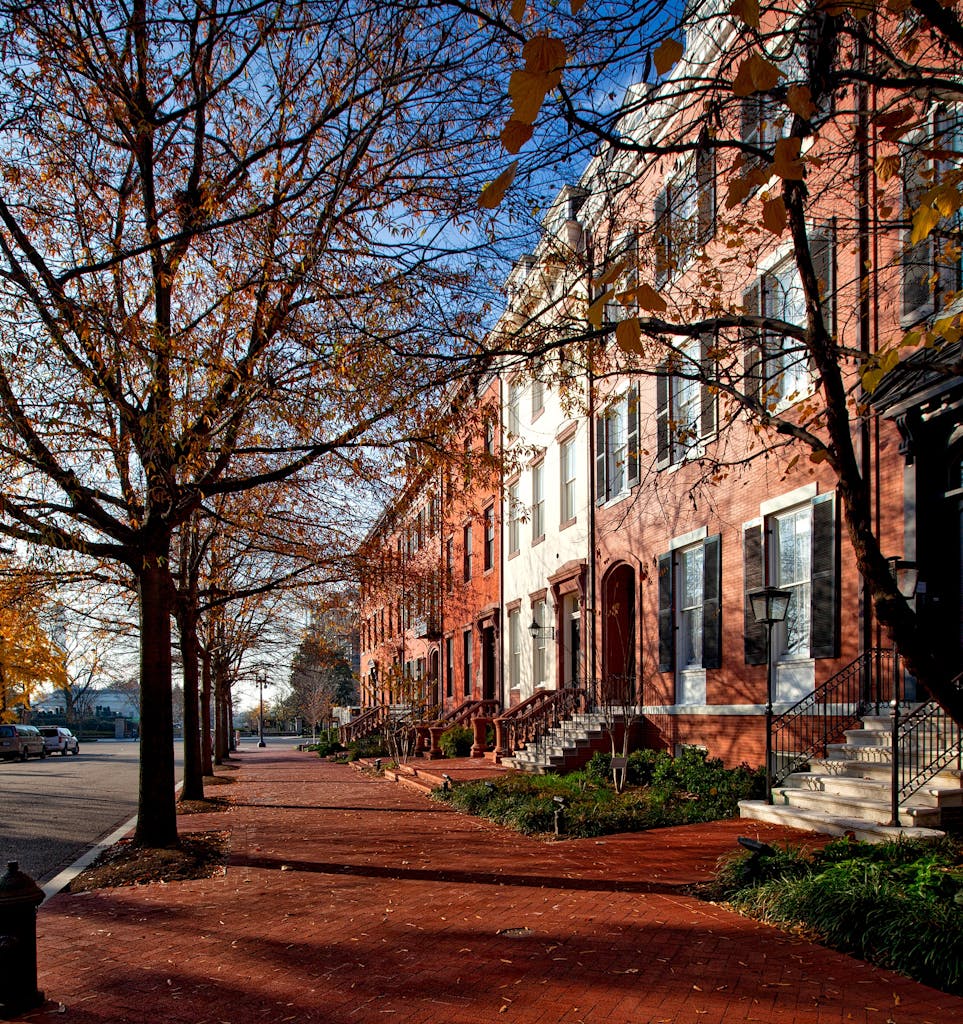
{"x":515,"y":648}
{"x":685,"y":403}
{"x":513,"y":420}
{"x":449,"y":666}
{"x":538,"y":398}
{"x":466,"y":541}
{"x":566,"y":459}
{"x":466,"y":661}
{"x":764,"y":122}
{"x":489,"y":441}
{"x":621,"y":275}
{"x":690,"y":610}
{"x":540,"y":663}
{"x":449,"y":564}
{"x":797,"y":550}
{"x":931,"y":266}
{"x":489,"y":537}
{"x":684,"y":214}
{"x":538,"y":502}
{"x":514,"y":518}
{"x":777,"y":364}
{"x":617,"y":447}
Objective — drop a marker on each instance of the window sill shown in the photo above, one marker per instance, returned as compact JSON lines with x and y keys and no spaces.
{"x":513,"y":554}
{"x":567,"y":523}
{"x":538,"y":540}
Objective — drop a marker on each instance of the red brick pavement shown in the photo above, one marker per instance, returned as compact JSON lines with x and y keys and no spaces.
{"x":349,"y":900}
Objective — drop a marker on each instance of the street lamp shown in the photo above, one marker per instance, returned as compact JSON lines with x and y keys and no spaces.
{"x":537,"y":632}
{"x":769,"y":606}
{"x":261,"y":683}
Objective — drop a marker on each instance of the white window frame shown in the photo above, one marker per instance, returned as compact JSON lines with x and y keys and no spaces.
{"x":538,"y":501}
{"x":567,"y":478}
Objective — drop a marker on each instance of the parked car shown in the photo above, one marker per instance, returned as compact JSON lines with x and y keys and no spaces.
{"x":56,"y":737}
{"x":21,"y":741}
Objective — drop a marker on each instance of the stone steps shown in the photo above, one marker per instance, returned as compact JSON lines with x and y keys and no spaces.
{"x":567,"y":747}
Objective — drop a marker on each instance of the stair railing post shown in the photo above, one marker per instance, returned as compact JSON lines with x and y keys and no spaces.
{"x":894,"y":773}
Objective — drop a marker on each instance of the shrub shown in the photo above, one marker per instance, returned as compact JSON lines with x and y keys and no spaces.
{"x":898,"y":904}
{"x":456,"y":742}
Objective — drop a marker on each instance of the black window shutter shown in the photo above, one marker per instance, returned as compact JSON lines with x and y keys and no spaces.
{"x":601,"y":483}
{"x":917,"y":259}
{"x":663,"y":237}
{"x":663,"y":451}
{"x":706,"y":197}
{"x":754,"y":576}
{"x":823,"y":250}
{"x":708,"y":424}
{"x":752,"y":342}
{"x":712,"y":603}
{"x":666,"y":621}
{"x":824,"y":620}
{"x":632,"y":420}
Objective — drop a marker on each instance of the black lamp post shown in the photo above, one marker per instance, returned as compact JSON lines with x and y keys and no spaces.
{"x":906,"y":576}
{"x":261,"y":683}
{"x":769,"y":606}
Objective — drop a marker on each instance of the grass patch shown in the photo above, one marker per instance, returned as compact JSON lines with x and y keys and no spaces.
{"x":898,"y":904}
{"x":676,"y":791}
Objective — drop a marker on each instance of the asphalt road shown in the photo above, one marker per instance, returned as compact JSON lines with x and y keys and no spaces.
{"x":51,"y":811}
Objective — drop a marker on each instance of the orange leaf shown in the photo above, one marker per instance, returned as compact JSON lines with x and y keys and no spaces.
{"x":494,"y":192}
{"x":528,"y":90}
{"x":515,"y":134}
{"x":577,"y":5}
{"x":612,"y":274}
{"x":747,"y":11}
{"x":887,"y":166}
{"x":628,"y":335}
{"x":648,"y":298}
{"x":755,"y":74}
{"x":739,"y":189}
{"x":774,"y":217}
{"x":597,"y":309}
{"x":667,"y":54}
{"x":518,"y":9}
{"x":800,"y":101}
{"x":542,"y":53}
{"x":787,"y":163}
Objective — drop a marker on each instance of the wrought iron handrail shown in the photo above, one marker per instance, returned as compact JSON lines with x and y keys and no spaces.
{"x":926,"y":741}
{"x":370,"y":720}
{"x":532,"y":719}
{"x":804,"y":730}
{"x":469,"y":710}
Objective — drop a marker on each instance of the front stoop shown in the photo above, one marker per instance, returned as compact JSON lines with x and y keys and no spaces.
{"x":848,"y":793}
{"x":565,"y":748}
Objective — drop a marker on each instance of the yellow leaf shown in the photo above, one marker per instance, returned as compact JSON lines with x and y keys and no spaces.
{"x":542,"y":53}
{"x":628,"y":335}
{"x":787,"y":163}
{"x":819,"y":456}
{"x":924,"y":220}
{"x":494,"y":192}
{"x":666,"y":55}
{"x":945,"y":197}
{"x":648,"y":298}
{"x":528,"y":90}
{"x":518,"y":9}
{"x":887,"y":166}
{"x":800,"y":101}
{"x":597,"y":309}
{"x":515,"y":134}
{"x":747,"y":11}
{"x":774,"y":215}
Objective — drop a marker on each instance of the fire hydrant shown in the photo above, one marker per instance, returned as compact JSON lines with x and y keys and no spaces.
{"x":19,"y":898}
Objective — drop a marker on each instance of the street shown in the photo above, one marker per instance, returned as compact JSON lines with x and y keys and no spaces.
{"x":51,"y":811}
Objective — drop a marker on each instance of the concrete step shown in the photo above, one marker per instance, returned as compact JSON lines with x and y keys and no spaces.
{"x":868,"y":738}
{"x":855,"y":807}
{"x":812,"y":820}
{"x":846,"y":785}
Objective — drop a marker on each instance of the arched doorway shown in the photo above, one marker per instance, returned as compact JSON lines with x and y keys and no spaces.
{"x":618,"y":636}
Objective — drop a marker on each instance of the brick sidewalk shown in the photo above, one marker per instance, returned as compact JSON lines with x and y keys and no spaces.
{"x":349,"y":899}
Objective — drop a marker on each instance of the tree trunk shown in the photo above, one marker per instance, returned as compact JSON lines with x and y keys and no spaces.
{"x":193,"y":761}
{"x":207,"y":753}
{"x":220,"y":731}
{"x":156,"y":809}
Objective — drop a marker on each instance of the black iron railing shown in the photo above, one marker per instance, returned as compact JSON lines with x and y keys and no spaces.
{"x":533,"y":719}
{"x":926,"y":742}
{"x":804,"y":731}
{"x":369,"y":721}
{"x":467,"y":711}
